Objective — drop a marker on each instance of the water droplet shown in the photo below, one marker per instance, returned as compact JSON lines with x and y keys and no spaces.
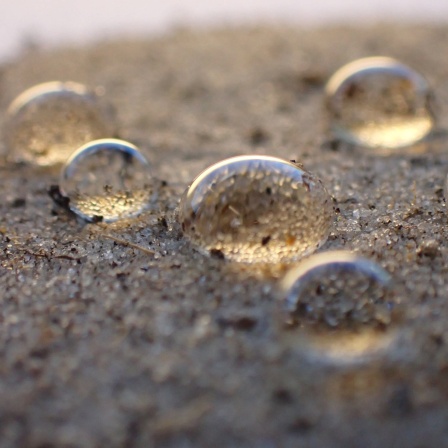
{"x":338,"y":288}
{"x":106,"y":180}
{"x":379,"y":102}
{"x":256,"y":209}
{"x":47,"y":122}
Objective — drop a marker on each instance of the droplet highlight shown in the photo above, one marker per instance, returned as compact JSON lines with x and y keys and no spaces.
{"x":106,"y":180}
{"x":339,"y":289}
{"x":256,"y":209}
{"x":47,"y":122}
{"x":379,"y":102}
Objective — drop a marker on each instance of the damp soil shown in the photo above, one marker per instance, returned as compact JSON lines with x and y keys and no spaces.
{"x":124,"y":335}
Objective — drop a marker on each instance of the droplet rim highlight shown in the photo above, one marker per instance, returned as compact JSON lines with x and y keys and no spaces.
{"x":46,"y":88}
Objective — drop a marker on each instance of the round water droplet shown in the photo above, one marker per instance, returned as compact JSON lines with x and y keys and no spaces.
{"x":379,"y":102}
{"x":338,"y":288}
{"x":106,"y":180}
{"x":47,"y":122}
{"x":256,"y":209}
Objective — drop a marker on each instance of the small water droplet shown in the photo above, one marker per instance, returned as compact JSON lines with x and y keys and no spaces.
{"x":379,"y":102}
{"x":106,"y":180}
{"x":338,"y":288}
{"x":45,"y":123}
{"x":256,"y":209}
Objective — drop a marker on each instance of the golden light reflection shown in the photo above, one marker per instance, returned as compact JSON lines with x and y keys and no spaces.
{"x":342,"y":347}
{"x":393,"y":134}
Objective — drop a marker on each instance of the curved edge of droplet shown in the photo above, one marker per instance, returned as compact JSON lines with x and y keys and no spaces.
{"x":208,"y":172}
{"x":373,"y":64}
{"x":296,"y":278}
{"x":246,"y":157}
{"x":45,"y":88}
{"x":98,"y":145}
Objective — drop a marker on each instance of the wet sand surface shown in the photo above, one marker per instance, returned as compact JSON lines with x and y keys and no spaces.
{"x":123,"y":335}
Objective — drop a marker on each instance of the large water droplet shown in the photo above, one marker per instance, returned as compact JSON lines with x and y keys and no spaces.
{"x":106,"y":180}
{"x":47,"y":122}
{"x":256,"y":209}
{"x":379,"y":102}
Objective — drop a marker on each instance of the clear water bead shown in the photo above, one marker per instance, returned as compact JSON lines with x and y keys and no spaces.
{"x":106,"y":180}
{"x":47,"y":122}
{"x":379,"y":102}
{"x":256,"y":209}
{"x":338,"y":288}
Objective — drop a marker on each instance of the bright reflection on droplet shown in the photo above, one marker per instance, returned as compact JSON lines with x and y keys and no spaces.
{"x":339,"y":289}
{"x":347,"y":347}
{"x":106,"y":180}
{"x":379,"y":102}
{"x":256,"y":209}
{"x":47,"y":122}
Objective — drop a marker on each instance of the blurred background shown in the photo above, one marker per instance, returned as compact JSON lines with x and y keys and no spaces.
{"x":61,"y":22}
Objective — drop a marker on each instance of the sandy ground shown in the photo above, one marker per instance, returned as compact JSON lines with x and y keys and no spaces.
{"x":123,"y":335}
